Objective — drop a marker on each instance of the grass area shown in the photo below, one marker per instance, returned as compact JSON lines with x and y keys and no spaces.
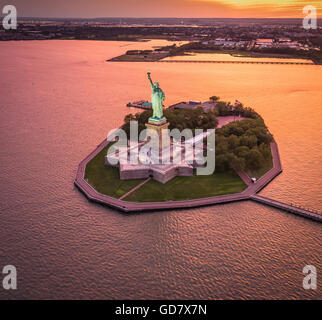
{"x":106,"y":179}
{"x":184,"y":188}
{"x":268,"y":165}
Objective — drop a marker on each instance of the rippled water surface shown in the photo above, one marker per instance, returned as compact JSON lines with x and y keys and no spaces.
{"x":59,"y":99}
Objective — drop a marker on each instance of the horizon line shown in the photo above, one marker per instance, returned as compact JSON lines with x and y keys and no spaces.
{"x":263,"y":18}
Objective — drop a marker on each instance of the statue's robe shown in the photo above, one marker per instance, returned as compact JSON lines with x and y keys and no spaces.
{"x":157,"y":97}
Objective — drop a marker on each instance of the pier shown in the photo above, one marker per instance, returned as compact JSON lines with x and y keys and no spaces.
{"x":236,"y":62}
{"x":288,"y":207}
{"x":145,"y":105}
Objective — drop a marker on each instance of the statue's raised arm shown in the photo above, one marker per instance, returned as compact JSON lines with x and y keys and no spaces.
{"x":149,"y":77}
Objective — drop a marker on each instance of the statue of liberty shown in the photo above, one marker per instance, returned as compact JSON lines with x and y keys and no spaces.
{"x":158,"y":97}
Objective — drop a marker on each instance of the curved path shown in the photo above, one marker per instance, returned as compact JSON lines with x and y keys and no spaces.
{"x":247,"y":194}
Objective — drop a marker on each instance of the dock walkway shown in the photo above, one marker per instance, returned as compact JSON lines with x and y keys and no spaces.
{"x":236,"y":62}
{"x":288,"y":207}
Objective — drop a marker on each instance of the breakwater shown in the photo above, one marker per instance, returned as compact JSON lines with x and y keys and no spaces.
{"x":236,"y":62}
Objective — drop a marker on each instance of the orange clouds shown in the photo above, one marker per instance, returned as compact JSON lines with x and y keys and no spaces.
{"x":260,"y":8}
{"x":166,"y":8}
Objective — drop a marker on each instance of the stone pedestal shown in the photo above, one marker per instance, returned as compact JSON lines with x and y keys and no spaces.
{"x":161,"y":128}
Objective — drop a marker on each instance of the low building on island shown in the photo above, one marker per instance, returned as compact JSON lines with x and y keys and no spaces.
{"x":192,"y":105}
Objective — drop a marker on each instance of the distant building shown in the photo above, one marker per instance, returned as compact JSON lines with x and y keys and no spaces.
{"x":223,"y":42}
{"x":288,"y":43}
{"x":192,"y":105}
{"x":284,"y":40}
{"x":264,"y":43}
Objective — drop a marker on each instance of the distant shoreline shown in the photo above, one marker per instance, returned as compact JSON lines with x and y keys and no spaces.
{"x":222,"y":62}
{"x":161,"y":56}
{"x":237,"y":62}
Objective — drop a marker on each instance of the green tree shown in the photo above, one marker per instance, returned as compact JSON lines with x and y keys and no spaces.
{"x":221,"y":162}
{"x":241,"y":151}
{"x":233,"y":142}
{"x":238,"y":164}
{"x":265,"y":150}
{"x":214,"y":98}
{"x":254,"y":159}
{"x":248,"y":140}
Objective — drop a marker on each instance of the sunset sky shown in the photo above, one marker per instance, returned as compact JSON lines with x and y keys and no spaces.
{"x":164,"y":8}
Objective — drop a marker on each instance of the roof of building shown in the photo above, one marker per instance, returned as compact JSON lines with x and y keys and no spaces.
{"x":264,"y":40}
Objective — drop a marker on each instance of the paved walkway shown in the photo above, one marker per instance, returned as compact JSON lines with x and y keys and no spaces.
{"x":247,"y":194}
{"x":223,"y":120}
{"x":245,"y":178}
{"x":135,"y":188}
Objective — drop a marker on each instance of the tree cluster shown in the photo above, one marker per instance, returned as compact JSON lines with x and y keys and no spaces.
{"x":223,"y":108}
{"x":178,"y":118}
{"x":242,"y":145}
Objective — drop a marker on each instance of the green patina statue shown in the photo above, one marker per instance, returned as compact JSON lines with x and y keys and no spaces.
{"x":158,"y":97}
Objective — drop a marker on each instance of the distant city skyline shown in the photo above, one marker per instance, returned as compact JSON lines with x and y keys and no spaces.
{"x":164,"y":8}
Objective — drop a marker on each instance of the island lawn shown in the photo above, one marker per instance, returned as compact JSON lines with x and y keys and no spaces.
{"x":185,"y":188}
{"x":106,"y":180}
